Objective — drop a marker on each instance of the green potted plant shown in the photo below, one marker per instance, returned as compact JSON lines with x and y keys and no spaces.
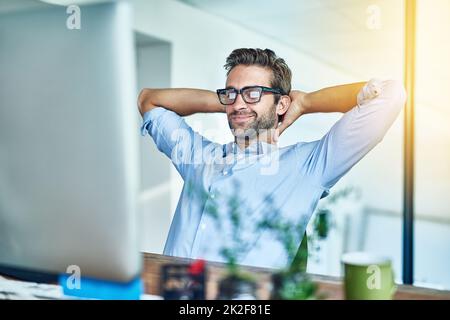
{"x":236,"y":283}
{"x":292,"y":282}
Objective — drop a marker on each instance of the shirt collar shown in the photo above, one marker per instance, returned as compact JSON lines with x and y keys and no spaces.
{"x":256,"y":148}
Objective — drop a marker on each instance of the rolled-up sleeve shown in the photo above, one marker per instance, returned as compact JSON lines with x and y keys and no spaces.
{"x":173,"y":137}
{"x":355,"y":134}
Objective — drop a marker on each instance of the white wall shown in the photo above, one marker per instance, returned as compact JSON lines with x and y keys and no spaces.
{"x":153,"y":71}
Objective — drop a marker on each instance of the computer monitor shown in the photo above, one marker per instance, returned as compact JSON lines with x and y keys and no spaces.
{"x":68,"y":142}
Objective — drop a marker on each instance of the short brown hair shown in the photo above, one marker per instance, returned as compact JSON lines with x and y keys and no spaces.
{"x":266,"y":58}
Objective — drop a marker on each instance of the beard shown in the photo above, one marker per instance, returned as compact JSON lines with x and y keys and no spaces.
{"x":252,"y":129}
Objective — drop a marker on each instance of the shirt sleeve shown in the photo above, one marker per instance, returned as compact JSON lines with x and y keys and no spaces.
{"x":175,"y":138}
{"x":355,"y":134}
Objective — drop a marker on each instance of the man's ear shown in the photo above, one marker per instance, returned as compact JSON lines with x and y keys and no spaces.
{"x":283,"y":105}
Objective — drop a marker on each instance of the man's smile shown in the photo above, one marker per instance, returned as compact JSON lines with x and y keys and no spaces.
{"x":242,"y":118}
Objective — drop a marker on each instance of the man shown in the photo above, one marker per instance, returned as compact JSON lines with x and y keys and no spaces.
{"x":260,"y":106}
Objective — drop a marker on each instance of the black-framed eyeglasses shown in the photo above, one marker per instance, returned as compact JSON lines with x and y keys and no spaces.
{"x":250,"y":94}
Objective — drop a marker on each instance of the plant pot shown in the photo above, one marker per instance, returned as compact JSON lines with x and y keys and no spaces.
{"x":292,"y":286}
{"x":234,"y":287}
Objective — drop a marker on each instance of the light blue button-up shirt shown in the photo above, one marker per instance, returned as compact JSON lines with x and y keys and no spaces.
{"x":294,"y":177}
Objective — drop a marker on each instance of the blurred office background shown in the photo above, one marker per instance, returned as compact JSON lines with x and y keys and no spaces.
{"x":325,"y":42}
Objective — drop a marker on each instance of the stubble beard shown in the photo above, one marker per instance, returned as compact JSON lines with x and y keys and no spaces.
{"x":258,"y":126}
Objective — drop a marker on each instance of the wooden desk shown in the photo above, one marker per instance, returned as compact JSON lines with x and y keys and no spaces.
{"x":331,"y":287}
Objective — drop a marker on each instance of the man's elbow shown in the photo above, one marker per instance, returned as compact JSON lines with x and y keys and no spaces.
{"x":143,"y":102}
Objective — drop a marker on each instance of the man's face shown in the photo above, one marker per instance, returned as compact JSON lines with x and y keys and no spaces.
{"x":245,"y":119}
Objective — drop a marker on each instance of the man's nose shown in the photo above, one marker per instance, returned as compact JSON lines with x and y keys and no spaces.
{"x":239,"y":103}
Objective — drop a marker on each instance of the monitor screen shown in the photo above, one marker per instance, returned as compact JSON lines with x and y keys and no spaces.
{"x":68,"y":142}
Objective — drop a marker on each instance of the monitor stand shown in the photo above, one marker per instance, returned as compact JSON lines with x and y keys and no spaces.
{"x":90,"y":288}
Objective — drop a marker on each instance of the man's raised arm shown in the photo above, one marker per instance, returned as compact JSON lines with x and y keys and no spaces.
{"x":369,"y":109}
{"x":184,"y":102}
{"x":341,"y":98}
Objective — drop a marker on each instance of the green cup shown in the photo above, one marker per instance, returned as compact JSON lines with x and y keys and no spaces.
{"x":368,"y":277}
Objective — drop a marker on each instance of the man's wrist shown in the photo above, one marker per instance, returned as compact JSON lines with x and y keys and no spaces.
{"x":302,"y":100}
{"x":216,"y":107}
{"x":305,"y":103}
{"x":214,"y":104}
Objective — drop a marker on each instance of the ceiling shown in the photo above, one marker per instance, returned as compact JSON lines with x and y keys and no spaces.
{"x":7,"y":6}
{"x":344,"y":34}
